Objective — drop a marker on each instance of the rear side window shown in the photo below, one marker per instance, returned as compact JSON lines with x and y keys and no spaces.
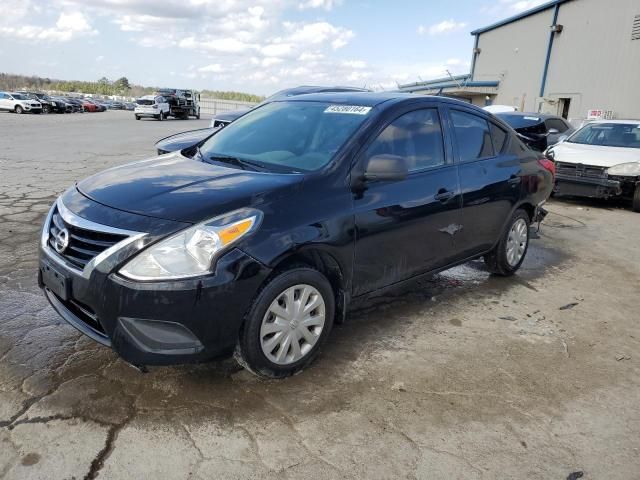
{"x":499,"y":137}
{"x":416,"y":136}
{"x":472,"y":135}
{"x":556,"y":123}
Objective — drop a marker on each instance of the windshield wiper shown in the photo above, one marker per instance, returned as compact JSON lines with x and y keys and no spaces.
{"x":240,"y":162}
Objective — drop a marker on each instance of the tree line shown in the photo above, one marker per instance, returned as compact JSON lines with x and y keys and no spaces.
{"x":103,"y":86}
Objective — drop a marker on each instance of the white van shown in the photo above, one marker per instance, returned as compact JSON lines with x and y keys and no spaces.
{"x":155,"y":106}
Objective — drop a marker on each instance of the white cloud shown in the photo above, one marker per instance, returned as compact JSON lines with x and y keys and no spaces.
{"x":446,"y":26}
{"x":326,"y":4}
{"x":68,"y":26}
{"x":213,"y":68}
{"x":522,"y":5}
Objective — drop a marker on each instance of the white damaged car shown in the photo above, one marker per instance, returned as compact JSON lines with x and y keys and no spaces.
{"x":152,"y":106}
{"x":601,"y":160}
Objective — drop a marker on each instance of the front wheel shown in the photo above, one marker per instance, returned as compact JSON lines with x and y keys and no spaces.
{"x":635,"y":204}
{"x":286,"y":324}
{"x":19,"y":110}
{"x":198,"y":114}
{"x":160,"y":116}
{"x":46,"y":109}
{"x":137,"y":117}
{"x":507,"y":256}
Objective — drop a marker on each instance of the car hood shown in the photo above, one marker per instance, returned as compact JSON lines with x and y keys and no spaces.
{"x":183,"y":140}
{"x":595,"y":155}
{"x":174,"y":187}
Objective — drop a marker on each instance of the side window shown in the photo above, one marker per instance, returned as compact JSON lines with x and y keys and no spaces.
{"x":556,"y":123}
{"x":416,"y":136}
{"x":472,"y":136}
{"x":2,"y":96}
{"x":499,"y":137}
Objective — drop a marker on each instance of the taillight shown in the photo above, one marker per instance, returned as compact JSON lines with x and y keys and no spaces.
{"x":548,"y":165}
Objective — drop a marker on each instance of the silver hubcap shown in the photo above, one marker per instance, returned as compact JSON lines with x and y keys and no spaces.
{"x":517,"y":242}
{"x":293,"y":324}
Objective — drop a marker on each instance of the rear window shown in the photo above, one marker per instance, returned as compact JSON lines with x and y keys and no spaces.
{"x":144,"y":101}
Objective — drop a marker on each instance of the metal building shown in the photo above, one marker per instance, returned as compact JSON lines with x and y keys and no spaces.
{"x":565,"y":57}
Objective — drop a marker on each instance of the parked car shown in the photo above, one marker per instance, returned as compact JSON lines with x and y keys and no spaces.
{"x":68,"y":107}
{"x":117,"y":106}
{"x":154,"y":106}
{"x":76,"y":103}
{"x":18,"y":103}
{"x":48,"y":105}
{"x":129,"y":106}
{"x":88,"y":105}
{"x":540,"y":131}
{"x":601,"y":160}
{"x":262,"y":240}
{"x":191,"y":138}
{"x":98,"y":106}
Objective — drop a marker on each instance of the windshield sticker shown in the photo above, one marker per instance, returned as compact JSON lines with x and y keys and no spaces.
{"x":351,"y":109}
{"x":535,"y":119}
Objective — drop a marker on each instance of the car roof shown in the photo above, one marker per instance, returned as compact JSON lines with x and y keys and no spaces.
{"x":372,"y":99}
{"x":633,"y":122}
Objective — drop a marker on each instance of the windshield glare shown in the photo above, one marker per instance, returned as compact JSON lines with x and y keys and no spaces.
{"x":625,"y":135}
{"x":294,"y":136}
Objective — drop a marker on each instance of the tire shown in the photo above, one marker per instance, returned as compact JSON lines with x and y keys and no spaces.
{"x":46,"y":109}
{"x":635,"y":204}
{"x":198,"y":114}
{"x":262,"y":326}
{"x":160,"y":116}
{"x":503,"y":260}
{"x":19,"y":110}
{"x":137,"y":117}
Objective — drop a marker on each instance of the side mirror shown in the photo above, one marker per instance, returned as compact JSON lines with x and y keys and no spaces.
{"x":553,"y":131}
{"x":390,"y":168}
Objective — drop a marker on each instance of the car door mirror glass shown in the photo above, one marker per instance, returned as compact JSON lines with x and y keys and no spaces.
{"x":390,"y":168}
{"x":553,"y":131}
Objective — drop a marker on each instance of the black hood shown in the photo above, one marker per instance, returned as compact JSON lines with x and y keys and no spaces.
{"x":177,"y":188}
{"x":180,"y":141}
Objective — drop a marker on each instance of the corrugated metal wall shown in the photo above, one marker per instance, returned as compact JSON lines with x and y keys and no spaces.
{"x":594,"y":61}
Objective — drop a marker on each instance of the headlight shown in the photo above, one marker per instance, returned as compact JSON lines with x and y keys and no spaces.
{"x":191,"y":252}
{"x":549,"y":153}
{"x":631,"y":169}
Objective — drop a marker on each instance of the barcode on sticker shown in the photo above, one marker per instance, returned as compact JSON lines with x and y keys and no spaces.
{"x":352,"y":109}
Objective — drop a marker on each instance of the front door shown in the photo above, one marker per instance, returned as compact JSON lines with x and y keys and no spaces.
{"x":407,"y":227}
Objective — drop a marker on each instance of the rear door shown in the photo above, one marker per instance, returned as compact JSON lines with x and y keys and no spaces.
{"x":4,"y":103}
{"x":489,"y":179}
{"x":405,"y":228}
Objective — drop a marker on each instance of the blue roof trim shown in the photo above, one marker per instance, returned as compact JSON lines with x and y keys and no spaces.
{"x":515,"y":18}
{"x":433,"y":86}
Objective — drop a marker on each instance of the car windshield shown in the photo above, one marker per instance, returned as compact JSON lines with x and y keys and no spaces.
{"x":294,"y":136}
{"x":19,"y":96}
{"x":626,"y":135}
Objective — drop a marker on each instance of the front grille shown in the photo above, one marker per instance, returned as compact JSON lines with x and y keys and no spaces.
{"x":84,"y":245}
{"x":580,"y":171}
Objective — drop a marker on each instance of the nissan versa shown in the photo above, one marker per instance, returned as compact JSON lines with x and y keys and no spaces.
{"x":259,"y":243}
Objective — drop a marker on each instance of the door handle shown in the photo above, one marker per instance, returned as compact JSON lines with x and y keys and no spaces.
{"x":443,"y":195}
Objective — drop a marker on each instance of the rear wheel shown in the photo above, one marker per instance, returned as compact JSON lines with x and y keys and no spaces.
{"x":160,"y":116}
{"x":636,"y":199}
{"x":286,"y":324}
{"x":507,"y":256}
{"x":19,"y":110}
{"x":137,"y":117}
{"x":198,"y":114}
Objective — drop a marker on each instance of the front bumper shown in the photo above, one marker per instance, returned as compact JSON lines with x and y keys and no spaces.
{"x":587,"y":187}
{"x":154,"y":323}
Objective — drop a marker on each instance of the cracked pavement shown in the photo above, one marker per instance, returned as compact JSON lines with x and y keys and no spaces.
{"x":459,"y":376}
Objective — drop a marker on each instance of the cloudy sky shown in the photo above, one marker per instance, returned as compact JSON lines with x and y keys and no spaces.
{"x":256,"y":46}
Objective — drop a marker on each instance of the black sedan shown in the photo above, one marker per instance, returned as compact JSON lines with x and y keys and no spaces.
{"x":262,"y":240}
